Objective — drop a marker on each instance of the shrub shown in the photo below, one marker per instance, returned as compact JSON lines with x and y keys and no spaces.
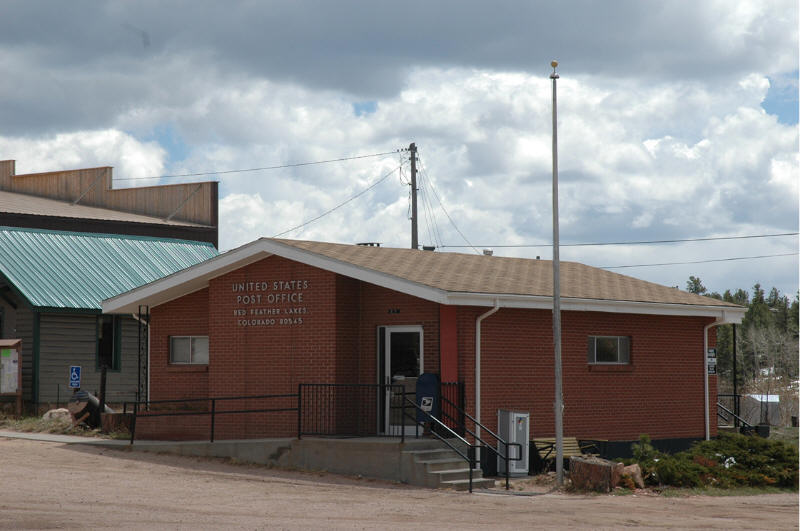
{"x":726,"y":462}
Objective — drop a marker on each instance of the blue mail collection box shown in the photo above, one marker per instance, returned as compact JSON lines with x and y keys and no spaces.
{"x":427,"y":396}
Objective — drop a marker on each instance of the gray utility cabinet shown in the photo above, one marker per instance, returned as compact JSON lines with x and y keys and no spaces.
{"x":514,"y":427}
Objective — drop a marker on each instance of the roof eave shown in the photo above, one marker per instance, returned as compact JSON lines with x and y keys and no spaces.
{"x":198,"y":276}
{"x":724,"y":314}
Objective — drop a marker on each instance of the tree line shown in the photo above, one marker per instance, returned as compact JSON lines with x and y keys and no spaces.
{"x":766,"y":341}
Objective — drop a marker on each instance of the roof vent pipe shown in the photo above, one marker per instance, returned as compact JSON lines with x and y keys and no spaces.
{"x":488,"y":252}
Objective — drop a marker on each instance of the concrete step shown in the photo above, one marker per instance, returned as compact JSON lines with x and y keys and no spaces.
{"x":432,"y":454}
{"x":447,"y":463}
{"x":463,"y":484}
{"x":454,"y":474}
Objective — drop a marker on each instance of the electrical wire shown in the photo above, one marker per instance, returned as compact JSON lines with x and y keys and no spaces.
{"x":436,"y":231}
{"x":433,"y":188}
{"x":263,"y":168}
{"x":430,"y":219}
{"x":701,"y":261}
{"x":648,"y":242}
{"x":359,"y":194}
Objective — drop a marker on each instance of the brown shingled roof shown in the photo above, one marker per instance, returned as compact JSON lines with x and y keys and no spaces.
{"x":469,"y":273}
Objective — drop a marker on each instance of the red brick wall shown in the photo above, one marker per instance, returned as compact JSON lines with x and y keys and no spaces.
{"x":660,"y":393}
{"x":186,"y":316}
{"x":385,"y":307}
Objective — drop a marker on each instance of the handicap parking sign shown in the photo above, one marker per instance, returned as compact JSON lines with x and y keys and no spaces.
{"x":75,"y":377}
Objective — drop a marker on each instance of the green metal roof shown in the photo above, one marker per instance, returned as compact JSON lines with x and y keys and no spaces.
{"x":74,"y":270}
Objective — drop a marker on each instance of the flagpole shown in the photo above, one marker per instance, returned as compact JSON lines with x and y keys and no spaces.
{"x":559,"y":401}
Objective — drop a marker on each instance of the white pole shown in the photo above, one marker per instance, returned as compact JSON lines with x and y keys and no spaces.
{"x":478,"y":366}
{"x":559,"y":402}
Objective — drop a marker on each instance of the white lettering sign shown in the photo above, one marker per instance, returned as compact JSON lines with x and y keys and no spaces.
{"x":270,"y":303}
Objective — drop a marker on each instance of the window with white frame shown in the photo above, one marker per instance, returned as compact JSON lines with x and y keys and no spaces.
{"x":609,"y":350}
{"x":188,"y":350}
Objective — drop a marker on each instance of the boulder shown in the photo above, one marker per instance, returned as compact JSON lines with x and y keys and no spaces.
{"x":58,"y":415}
{"x":635,"y":473}
{"x":594,"y":473}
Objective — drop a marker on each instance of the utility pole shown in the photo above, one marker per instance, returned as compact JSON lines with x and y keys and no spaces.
{"x":414,"y":241}
{"x":559,"y":402}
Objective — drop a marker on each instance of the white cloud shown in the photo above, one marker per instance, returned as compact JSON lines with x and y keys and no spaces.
{"x":668,"y":140}
{"x":130,"y":157}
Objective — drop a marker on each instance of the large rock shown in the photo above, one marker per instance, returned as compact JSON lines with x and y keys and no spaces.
{"x":594,"y":473}
{"x":60,"y":415}
{"x":635,"y":473}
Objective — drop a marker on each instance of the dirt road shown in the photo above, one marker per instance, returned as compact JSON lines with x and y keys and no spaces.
{"x":52,"y":485}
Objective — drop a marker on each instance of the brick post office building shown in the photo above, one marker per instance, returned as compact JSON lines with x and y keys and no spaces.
{"x":272,"y":314}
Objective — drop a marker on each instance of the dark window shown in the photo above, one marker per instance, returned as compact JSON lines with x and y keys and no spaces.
{"x":109,"y":342}
{"x":609,"y":349}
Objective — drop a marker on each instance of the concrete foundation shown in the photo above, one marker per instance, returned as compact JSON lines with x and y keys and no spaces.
{"x":372,"y":457}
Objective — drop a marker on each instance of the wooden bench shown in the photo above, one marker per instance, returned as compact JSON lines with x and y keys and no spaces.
{"x":546,"y":449}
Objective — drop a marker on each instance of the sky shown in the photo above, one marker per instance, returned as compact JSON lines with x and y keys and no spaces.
{"x":676,"y":120}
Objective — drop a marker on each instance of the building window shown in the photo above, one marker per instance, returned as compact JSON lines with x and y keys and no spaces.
{"x":188,"y":350}
{"x":609,"y":349}
{"x":109,"y":342}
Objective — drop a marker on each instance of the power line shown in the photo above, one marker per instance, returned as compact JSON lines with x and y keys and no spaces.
{"x":701,"y":261}
{"x":430,"y":217}
{"x":278,"y":167}
{"x":444,"y":209}
{"x":648,"y":242}
{"x":359,"y":194}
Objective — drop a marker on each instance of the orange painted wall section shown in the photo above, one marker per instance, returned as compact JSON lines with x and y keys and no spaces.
{"x":448,"y":343}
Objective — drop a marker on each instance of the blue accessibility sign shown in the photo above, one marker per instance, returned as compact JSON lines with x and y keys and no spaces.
{"x":75,"y":377}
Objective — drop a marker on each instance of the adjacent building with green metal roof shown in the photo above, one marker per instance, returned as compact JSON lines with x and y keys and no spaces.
{"x":73,"y":270}
{"x":51,"y":287}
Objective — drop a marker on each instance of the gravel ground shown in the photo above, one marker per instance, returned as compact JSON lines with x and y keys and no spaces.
{"x":74,"y":486}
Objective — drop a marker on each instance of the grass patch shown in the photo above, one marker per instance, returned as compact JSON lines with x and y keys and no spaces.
{"x":677,"y":492}
{"x":39,"y":425}
{"x":57,"y":427}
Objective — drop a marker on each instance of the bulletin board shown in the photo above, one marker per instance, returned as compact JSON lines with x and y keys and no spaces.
{"x":11,"y":370}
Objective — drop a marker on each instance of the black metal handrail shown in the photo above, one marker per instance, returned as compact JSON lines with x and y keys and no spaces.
{"x":735,"y":404}
{"x":469,"y":457}
{"x":506,"y":457}
{"x":336,"y":409}
{"x":148,"y":412}
{"x":744,"y":423}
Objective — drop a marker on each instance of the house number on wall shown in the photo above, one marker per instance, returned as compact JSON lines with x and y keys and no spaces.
{"x":270,"y":303}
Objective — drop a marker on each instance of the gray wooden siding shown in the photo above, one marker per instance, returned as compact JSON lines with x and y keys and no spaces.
{"x":69,"y":339}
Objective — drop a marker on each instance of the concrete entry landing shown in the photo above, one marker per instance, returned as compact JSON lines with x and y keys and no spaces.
{"x":421,"y":462}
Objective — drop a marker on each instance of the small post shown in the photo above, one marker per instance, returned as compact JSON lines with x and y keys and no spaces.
{"x":213,"y":412}
{"x":402,"y":415}
{"x":508,"y":464}
{"x":735,"y":389}
{"x":102,"y":398}
{"x":471,"y":455}
{"x":299,"y":411}
{"x":133,"y":420}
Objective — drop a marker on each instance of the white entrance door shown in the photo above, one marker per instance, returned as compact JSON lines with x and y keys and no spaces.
{"x":400,"y":362}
